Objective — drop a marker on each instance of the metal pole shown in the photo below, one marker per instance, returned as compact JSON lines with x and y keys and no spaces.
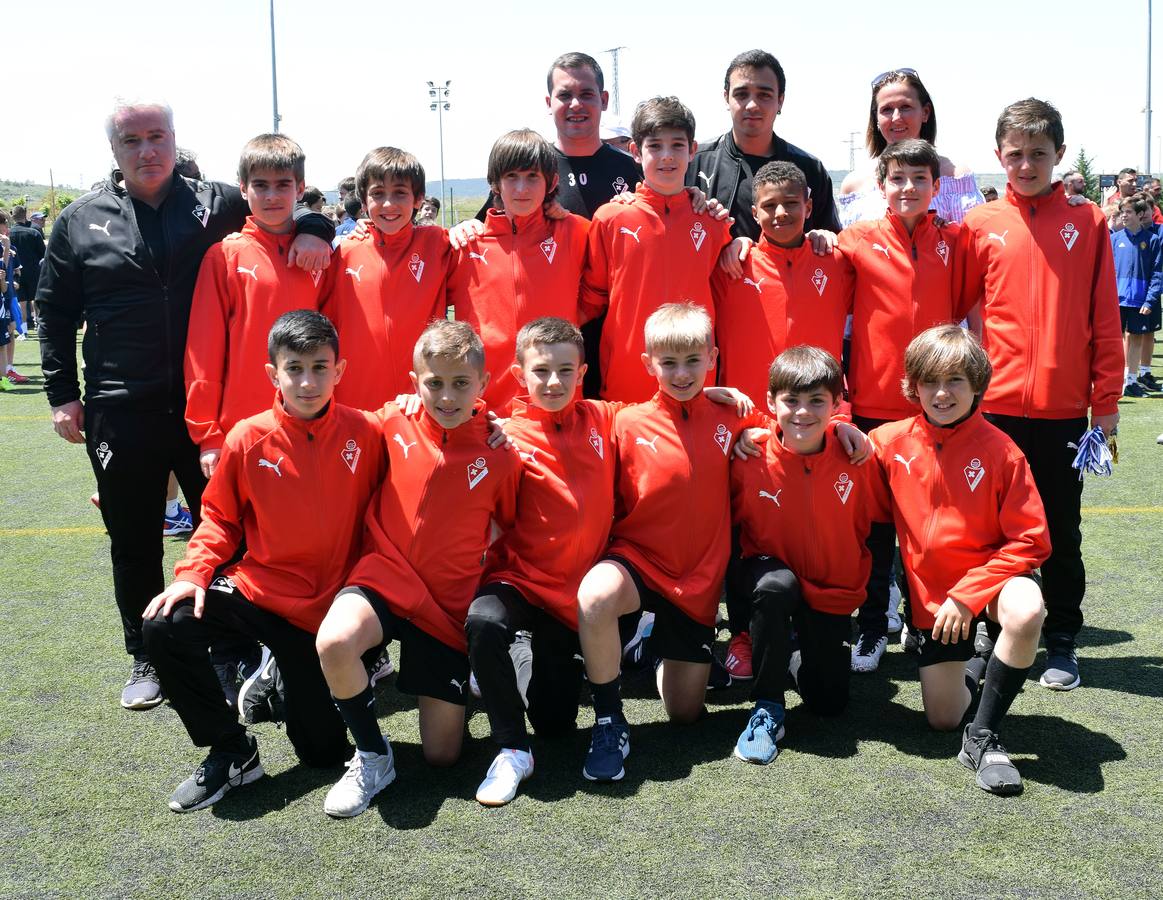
{"x":613,"y":51}
{"x":438,"y":97}
{"x":1147,"y":153}
{"x":274,"y":74}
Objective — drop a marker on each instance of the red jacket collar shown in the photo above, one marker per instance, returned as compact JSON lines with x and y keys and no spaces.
{"x":525,"y":409}
{"x":497,"y":223}
{"x":294,"y":424}
{"x":280,"y":243}
{"x":1054,"y":195}
{"x":681,"y":407}
{"x":474,"y":430}
{"x":896,"y":223}
{"x":660,"y":202}
{"x":775,"y":251}
{"x":942,"y":434}
{"x":393,"y":241}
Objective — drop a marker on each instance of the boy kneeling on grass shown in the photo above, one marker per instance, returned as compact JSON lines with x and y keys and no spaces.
{"x":972,"y":533}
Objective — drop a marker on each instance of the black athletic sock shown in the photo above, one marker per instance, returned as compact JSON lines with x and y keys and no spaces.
{"x":359,"y":714}
{"x":608,"y":700}
{"x":974,"y":670}
{"x":1002,"y":684}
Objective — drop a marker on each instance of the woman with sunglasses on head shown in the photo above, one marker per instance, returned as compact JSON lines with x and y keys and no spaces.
{"x":901,"y":108}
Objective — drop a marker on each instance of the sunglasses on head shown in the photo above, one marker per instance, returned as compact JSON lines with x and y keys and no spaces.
{"x":885,"y":76}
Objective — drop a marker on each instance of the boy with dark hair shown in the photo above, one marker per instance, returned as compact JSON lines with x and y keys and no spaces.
{"x":673,"y":454}
{"x":906,"y":274}
{"x":1138,"y":260}
{"x":523,"y":265}
{"x":387,"y":282}
{"x":1044,"y":273}
{"x":272,"y":468}
{"x":972,"y":531}
{"x":425,"y":535}
{"x":243,"y":286}
{"x":649,"y":251}
{"x":313,"y":199}
{"x":809,"y":579}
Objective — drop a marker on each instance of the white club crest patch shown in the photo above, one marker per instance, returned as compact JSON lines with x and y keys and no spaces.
{"x":974,"y":472}
{"x":820,"y":280}
{"x":723,"y":438}
{"x":597,"y":444}
{"x":350,"y":454}
{"x":843,"y":487}
{"x":1069,"y":235}
{"x":104,"y":454}
{"x":698,"y":235}
{"x":201,"y":213}
{"x":549,"y":248}
{"x":619,"y":185}
{"x":316,"y":274}
{"x":477,"y":469}
{"x":416,"y":267}
{"x":943,"y":252}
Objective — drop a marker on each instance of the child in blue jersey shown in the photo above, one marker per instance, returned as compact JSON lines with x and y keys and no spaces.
{"x":1138,"y":253}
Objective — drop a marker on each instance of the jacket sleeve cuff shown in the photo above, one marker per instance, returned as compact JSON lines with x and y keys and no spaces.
{"x":194,"y":574}
{"x":1105,"y":408}
{"x":314,"y":224}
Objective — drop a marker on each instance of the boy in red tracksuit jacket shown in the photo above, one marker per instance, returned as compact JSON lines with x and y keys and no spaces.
{"x":523,"y":266}
{"x":1043,"y":270}
{"x":426,"y":533}
{"x":972,"y":532}
{"x":671,"y":536}
{"x":787,"y":295}
{"x":652,"y":251}
{"x":907,"y":277}
{"x":265,"y":495}
{"x":386,"y":284}
{"x":804,"y":513}
{"x":244,"y":284}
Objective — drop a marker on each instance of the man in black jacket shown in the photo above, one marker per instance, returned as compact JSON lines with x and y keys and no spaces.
{"x":28,"y":242}
{"x":723,"y":168}
{"x":124,"y":259}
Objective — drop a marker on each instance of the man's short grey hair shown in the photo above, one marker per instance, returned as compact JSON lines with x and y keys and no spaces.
{"x":121,"y":106}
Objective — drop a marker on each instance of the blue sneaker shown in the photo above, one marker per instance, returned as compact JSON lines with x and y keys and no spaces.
{"x":182,"y":523}
{"x":609,"y":746}
{"x":757,"y":742}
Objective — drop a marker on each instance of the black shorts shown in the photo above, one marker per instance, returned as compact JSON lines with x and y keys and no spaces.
{"x":932,"y":652}
{"x":428,"y":666}
{"x":675,"y":634}
{"x":1134,"y":322}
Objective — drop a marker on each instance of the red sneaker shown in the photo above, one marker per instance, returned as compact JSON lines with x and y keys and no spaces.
{"x":16,"y":378}
{"x":738,"y":661}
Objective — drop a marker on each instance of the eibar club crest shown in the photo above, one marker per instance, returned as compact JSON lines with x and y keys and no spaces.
{"x":1069,"y":235}
{"x":943,"y":252}
{"x":974,"y":472}
{"x":698,"y":235}
{"x":316,"y":274}
{"x":597,"y":444}
{"x":820,"y":280}
{"x":350,"y":454}
{"x":620,"y":186}
{"x":104,"y":454}
{"x":843,"y":487}
{"x":723,"y":438}
{"x":549,"y":248}
{"x":416,"y":267}
{"x":477,"y":469}
{"x":201,"y":213}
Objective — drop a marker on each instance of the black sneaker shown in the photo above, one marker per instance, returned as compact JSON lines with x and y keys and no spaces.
{"x":1134,"y":389}
{"x":1150,"y":383}
{"x":1061,"y":664}
{"x":220,"y":772}
{"x":984,"y":754}
{"x":260,"y":699}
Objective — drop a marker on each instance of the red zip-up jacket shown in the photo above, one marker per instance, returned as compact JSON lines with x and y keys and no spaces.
{"x":673,"y":506}
{"x":903,"y":284}
{"x":518,"y":270}
{"x":641,"y":255}
{"x":570,"y":459}
{"x":1044,"y":273}
{"x":295,"y":491}
{"x":243,"y":286}
{"x":785,"y":297}
{"x":967,"y":514}
{"x":813,"y":513}
{"x":427,"y":528}
{"x":381,"y":291}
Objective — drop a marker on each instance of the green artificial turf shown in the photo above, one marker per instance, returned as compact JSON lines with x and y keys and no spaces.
{"x":871,"y":804}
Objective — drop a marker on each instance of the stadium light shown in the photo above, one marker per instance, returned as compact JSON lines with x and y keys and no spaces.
{"x":438,"y":101}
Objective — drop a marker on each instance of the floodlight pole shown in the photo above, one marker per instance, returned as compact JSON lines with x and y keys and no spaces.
{"x":1147,"y":109}
{"x":274,"y":74}
{"x":438,"y":100}
{"x":851,"y":142}
{"x":613,"y":51}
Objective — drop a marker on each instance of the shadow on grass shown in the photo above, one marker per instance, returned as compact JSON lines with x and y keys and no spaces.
{"x":1139,"y":675}
{"x":1103,"y":637}
{"x":274,"y":793}
{"x":1066,"y":754}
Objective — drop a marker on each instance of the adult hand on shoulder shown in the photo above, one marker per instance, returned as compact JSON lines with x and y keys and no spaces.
{"x":1076,"y":200}
{"x":462,"y":234}
{"x":626,"y":197}
{"x":855,"y":442}
{"x":68,"y":420}
{"x":171,"y":596}
{"x":309,"y":253}
{"x":822,"y":241}
{"x":732,"y":256}
{"x":953,"y":622}
{"x":209,"y":461}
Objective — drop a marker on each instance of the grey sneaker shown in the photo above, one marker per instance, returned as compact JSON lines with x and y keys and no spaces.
{"x":220,"y":772}
{"x":1061,"y":664}
{"x":143,"y":690}
{"x":983,"y":753}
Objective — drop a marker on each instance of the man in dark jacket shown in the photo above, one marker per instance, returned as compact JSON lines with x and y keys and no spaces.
{"x":28,"y":242}
{"x":124,"y":259}
{"x":723,"y":168}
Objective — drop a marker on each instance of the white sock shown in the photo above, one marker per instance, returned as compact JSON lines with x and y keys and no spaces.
{"x":1144,"y":370}
{"x":173,"y":507}
{"x":1127,"y":376}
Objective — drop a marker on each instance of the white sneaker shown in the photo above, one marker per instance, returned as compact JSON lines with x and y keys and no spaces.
{"x":505,"y":775}
{"x":367,"y":774}
{"x":894,"y":606}
{"x":867,"y":652}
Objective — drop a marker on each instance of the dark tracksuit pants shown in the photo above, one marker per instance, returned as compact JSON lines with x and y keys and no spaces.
{"x":873,"y":615}
{"x":1045,"y":443}
{"x":523,"y":658}
{"x":177,"y":647}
